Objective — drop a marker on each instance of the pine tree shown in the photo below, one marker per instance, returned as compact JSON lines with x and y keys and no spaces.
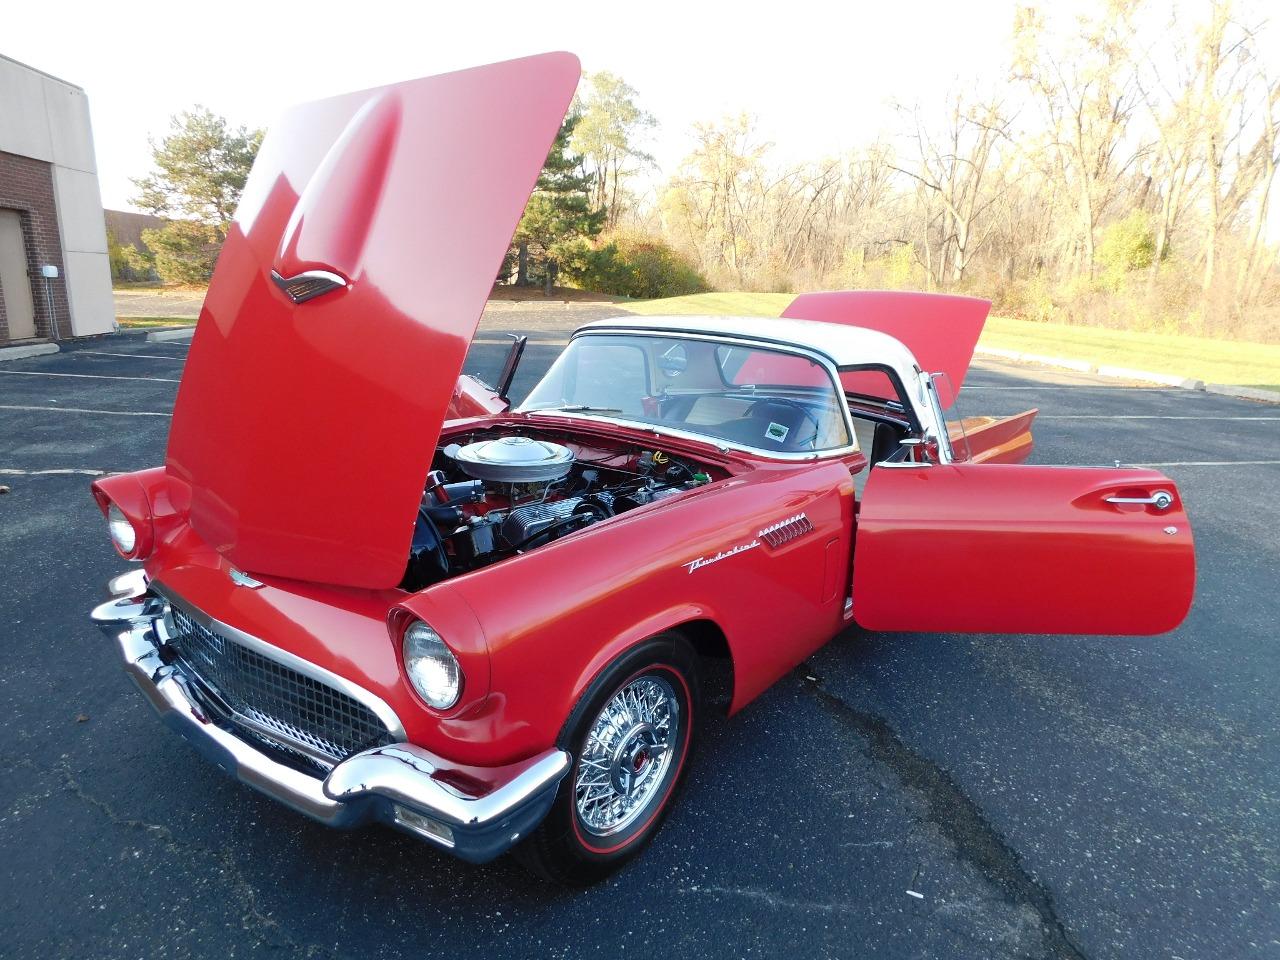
{"x":201,"y":169}
{"x":558,"y":213}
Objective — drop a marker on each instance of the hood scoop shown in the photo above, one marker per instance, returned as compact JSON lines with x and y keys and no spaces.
{"x":514,"y":460}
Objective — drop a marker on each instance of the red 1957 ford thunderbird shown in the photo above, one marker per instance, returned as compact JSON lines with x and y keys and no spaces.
{"x":372,"y":591}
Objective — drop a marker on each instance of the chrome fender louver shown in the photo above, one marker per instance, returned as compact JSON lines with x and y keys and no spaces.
{"x":784,"y":531}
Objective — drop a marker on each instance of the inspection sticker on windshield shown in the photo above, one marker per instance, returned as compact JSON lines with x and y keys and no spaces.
{"x":776,"y":431}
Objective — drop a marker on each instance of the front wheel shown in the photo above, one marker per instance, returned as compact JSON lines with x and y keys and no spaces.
{"x":631,"y":735}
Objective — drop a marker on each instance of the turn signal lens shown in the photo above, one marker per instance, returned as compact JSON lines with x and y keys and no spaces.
{"x":431,"y":829}
{"x":431,"y":666}
{"x":122,"y":533}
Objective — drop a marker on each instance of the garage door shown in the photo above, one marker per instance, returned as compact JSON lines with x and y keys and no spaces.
{"x":15,"y":285}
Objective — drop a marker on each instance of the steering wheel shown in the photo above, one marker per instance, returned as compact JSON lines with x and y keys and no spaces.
{"x":800,"y":408}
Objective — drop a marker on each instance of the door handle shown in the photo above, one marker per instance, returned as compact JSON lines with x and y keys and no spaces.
{"x":1160,"y":499}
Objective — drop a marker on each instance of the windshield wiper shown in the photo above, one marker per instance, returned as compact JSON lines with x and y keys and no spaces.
{"x":574,"y":408}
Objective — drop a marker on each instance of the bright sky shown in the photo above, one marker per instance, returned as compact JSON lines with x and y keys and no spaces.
{"x":819,"y":76}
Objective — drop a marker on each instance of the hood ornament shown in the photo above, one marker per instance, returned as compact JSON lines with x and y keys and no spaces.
{"x":244,"y":580}
{"x":309,"y":284}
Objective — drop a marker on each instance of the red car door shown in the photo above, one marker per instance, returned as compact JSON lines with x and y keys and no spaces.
{"x":1012,"y":548}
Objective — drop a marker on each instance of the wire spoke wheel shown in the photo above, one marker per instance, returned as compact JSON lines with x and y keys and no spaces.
{"x":626,"y":755}
{"x":632,"y":732}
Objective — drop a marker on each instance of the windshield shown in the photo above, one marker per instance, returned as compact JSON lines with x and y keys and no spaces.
{"x":744,"y":395}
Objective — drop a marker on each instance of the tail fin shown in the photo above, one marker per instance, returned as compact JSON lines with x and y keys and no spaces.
{"x":993,"y":439}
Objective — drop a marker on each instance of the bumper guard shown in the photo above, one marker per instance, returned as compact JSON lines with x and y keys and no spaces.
{"x":397,"y":784}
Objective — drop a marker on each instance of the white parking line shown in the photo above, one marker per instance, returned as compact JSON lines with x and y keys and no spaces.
{"x":1073,"y":386}
{"x":152,"y":356}
{"x":1210,"y":463}
{"x":12,"y":472}
{"x":111,"y":413}
{"x":1137,"y":416}
{"x":84,"y":376}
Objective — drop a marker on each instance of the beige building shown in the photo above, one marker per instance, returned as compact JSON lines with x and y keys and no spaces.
{"x":55,"y":279}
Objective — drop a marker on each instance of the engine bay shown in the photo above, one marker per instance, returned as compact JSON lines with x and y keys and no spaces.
{"x":497,"y":493}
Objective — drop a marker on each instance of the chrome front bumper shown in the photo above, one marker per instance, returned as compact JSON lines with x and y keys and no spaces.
{"x":397,"y":784}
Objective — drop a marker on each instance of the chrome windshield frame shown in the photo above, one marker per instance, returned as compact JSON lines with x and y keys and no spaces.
{"x":718,"y":443}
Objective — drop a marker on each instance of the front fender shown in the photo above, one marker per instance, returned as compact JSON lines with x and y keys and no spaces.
{"x":554,"y":618}
{"x":648,"y":626}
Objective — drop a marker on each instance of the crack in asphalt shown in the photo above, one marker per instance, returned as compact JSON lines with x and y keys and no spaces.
{"x":769,"y":900}
{"x":773,"y":900}
{"x":254,"y":920}
{"x":957,"y":816}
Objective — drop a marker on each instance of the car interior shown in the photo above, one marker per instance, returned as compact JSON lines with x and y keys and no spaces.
{"x":757,"y":397}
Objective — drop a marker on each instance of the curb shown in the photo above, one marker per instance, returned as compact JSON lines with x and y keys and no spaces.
{"x":1082,"y":366}
{"x":27,"y":350}
{"x":161,"y":336}
{"x":1244,"y":393}
{"x":1147,"y":376}
{"x":1126,"y":373}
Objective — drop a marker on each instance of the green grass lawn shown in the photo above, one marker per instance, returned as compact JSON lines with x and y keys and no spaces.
{"x":1214,"y":361}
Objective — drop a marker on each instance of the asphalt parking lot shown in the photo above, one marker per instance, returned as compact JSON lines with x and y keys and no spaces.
{"x":1056,"y":797}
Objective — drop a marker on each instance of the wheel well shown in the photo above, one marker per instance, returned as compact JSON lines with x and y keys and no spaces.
{"x":715,"y":659}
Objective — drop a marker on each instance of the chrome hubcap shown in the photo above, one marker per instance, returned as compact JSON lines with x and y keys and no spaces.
{"x":627,"y":753}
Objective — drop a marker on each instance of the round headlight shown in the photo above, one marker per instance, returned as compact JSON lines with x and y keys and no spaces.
{"x":432,"y":668}
{"x":122,"y":532}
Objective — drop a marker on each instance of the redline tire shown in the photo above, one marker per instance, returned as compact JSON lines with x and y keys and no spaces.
{"x":614,"y":735}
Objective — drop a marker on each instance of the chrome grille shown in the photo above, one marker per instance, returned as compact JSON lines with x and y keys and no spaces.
{"x":267,"y":698}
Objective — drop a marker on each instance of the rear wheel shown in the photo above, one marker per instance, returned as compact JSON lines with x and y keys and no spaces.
{"x":631,"y":735}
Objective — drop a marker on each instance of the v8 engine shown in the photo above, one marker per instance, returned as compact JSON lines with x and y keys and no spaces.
{"x":496,"y":496}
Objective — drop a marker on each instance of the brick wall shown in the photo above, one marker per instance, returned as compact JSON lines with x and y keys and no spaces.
{"x":126,"y":227}
{"x":26,"y":185}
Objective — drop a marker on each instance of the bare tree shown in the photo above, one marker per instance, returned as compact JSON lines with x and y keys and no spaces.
{"x":954,"y":168}
{"x":712,"y":203}
{"x":609,"y":136}
{"x":1238,"y":103}
{"x":1088,"y":92}
{"x":1136,"y":178}
{"x":1170,"y":92}
{"x":1266,"y":161}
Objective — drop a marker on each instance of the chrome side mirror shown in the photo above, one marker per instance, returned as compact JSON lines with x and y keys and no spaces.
{"x":925,"y":448}
{"x":922,"y":450}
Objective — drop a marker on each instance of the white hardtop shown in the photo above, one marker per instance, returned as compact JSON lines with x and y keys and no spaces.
{"x":843,"y":345}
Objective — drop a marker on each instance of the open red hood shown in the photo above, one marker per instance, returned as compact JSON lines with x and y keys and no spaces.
{"x":341,"y":309}
{"x":941,"y":330}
